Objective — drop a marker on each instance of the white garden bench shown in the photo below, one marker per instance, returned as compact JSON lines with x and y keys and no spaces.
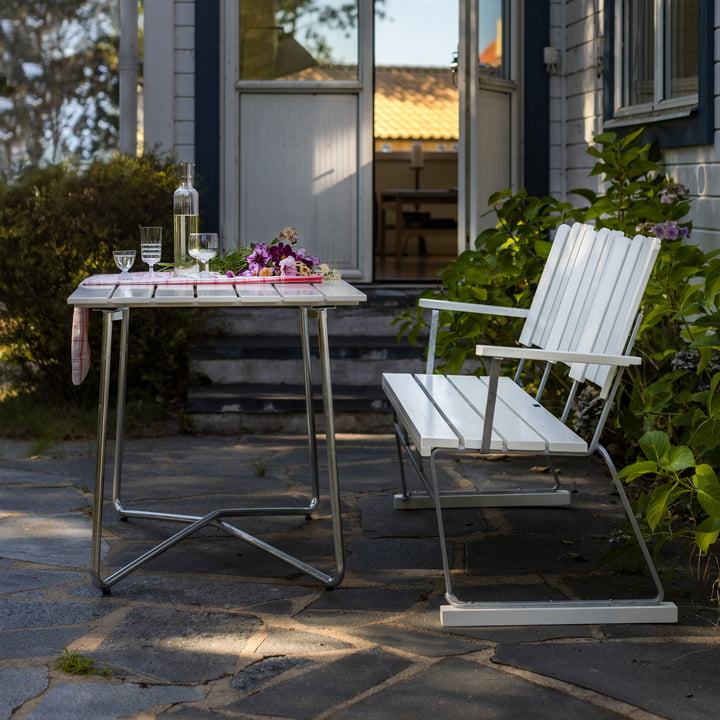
{"x":584,"y":316}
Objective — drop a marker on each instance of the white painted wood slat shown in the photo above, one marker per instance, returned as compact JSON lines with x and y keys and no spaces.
{"x":466,"y":415}
{"x":520,"y":420}
{"x":417,"y":413}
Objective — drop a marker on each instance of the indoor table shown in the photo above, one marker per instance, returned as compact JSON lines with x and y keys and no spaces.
{"x":114,"y":296}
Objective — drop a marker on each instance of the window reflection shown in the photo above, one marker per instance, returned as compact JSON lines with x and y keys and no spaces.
{"x":491,"y":38}
{"x":681,"y":27}
{"x":291,"y":40}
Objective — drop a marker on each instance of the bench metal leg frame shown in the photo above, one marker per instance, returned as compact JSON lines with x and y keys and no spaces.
{"x":551,"y":495}
{"x":216,"y":517}
{"x":459,"y":613}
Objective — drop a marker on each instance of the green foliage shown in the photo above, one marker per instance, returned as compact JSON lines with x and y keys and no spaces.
{"x":57,"y":226}
{"x":502,"y":270}
{"x":669,"y":407}
{"x":683,"y":499}
{"x":74,"y":663}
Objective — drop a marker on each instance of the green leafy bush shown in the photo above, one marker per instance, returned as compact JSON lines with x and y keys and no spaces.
{"x":668,"y":408}
{"x":60,"y":224}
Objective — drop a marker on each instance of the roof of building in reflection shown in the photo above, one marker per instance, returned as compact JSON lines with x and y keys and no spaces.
{"x":411,"y":103}
{"x":417,"y":103}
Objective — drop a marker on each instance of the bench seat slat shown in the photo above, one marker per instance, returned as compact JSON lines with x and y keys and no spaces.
{"x":466,"y":418}
{"x":422,"y":420}
{"x":520,"y":419}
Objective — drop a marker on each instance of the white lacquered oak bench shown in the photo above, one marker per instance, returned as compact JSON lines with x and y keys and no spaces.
{"x":583,"y":319}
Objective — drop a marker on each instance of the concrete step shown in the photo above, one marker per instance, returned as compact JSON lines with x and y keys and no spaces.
{"x":252,"y":369}
{"x":355,"y":360}
{"x":373,"y":317}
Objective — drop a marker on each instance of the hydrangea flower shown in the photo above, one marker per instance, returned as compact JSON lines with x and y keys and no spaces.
{"x":670,"y":230}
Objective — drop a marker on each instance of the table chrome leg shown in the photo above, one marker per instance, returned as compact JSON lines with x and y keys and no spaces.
{"x":194,"y":523}
{"x":120,"y":416}
{"x":329,"y":414}
{"x":103,"y":401}
{"x":309,"y":410}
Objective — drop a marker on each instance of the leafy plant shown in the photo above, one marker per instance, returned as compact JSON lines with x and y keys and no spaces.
{"x":74,"y":663}
{"x":682,"y":492}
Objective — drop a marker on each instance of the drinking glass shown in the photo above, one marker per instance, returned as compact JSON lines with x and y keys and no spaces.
{"x":151,"y":246}
{"x":124,"y":259}
{"x":203,"y":247}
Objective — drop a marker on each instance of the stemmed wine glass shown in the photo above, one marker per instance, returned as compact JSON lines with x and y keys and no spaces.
{"x":151,"y":246}
{"x":203,"y":247}
{"x":124,"y":259}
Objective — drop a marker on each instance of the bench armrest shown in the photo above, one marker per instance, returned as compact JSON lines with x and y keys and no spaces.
{"x":523,"y":353}
{"x":477,"y":308}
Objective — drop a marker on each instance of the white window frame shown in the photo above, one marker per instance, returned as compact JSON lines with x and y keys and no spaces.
{"x":660,"y":108}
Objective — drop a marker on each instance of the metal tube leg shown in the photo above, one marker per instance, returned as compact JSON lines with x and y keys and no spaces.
{"x":329,"y":413}
{"x":309,"y":409}
{"x":435,"y":492}
{"x":120,"y":416}
{"x":103,"y":399}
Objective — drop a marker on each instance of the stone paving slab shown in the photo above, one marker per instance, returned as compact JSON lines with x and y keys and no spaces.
{"x":18,"y":685}
{"x":178,"y":646}
{"x":311,"y":693}
{"x":464,"y":690}
{"x":100,"y":701}
{"x":217,"y":628}
{"x":676,"y":680}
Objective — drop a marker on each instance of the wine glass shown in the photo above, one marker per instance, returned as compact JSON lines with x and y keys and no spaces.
{"x":124,"y":259}
{"x":203,"y":247}
{"x":151,"y":246}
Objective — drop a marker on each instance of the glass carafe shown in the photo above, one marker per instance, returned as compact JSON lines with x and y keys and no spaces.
{"x":186,"y":209}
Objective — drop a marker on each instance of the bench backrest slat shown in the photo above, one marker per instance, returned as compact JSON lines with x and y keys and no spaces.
{"x":589,"y":294}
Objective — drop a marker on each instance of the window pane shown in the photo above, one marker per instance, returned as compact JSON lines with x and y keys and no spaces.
{"x":681,"y":56}
{"x":491,"y":38}
{"x":291,"y":40}
{"x":638,"y":52}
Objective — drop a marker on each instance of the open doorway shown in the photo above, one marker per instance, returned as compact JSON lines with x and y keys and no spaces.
{"x":416,"y":135}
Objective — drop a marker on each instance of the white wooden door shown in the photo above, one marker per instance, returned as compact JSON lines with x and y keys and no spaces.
{"x":489,"y":115}
{"x":298,"y":132}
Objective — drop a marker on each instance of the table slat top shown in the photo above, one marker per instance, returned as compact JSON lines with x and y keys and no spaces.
{"x":320,"y":294}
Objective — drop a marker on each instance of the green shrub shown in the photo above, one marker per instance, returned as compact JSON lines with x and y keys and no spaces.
{"x":60,"y":224}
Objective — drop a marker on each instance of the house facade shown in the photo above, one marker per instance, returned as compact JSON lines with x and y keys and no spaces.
{"x":296,"y":147}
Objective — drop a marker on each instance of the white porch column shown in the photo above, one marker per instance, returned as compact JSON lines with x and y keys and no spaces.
{"x":128,"y":74}
{"x":159,"y":75}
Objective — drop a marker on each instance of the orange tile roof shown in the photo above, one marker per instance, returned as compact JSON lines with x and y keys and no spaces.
{"x":415,"y":103}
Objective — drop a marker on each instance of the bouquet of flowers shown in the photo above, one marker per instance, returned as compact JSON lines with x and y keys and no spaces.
{"x":280,"y":257}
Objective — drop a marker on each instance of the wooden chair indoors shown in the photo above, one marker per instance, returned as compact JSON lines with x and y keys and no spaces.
{"x":583,"y":318}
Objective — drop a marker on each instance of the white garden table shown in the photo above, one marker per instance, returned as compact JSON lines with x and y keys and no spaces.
{"x":114,"y":298}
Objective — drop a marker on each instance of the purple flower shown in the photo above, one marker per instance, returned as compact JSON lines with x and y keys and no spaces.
{"x":259,"y":255}
{"x":288,"y":267}
{"x":279,"y":252}
{"x":229,"y":273}
{"x":670,"y":230}
{"x":672,"y":192}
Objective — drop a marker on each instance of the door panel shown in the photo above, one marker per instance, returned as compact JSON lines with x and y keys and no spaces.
{"x":296,"y":135}
{"x":489,"y":131}
{"x":299,"y":167}
{"x":494,"y":140}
